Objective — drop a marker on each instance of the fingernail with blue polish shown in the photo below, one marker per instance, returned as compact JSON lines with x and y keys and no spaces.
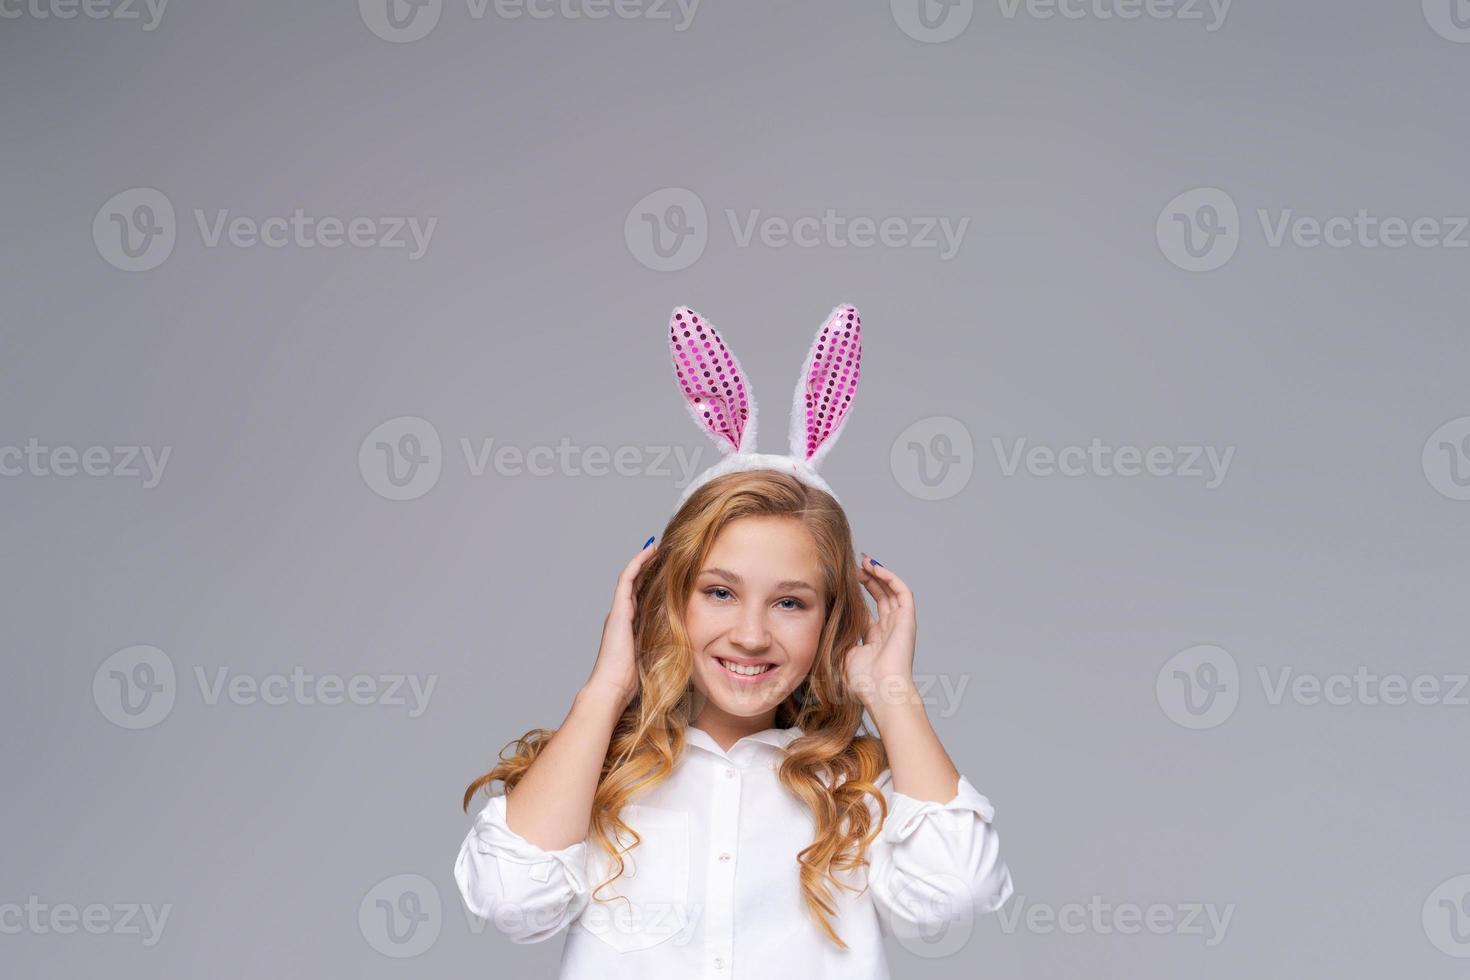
{"x":648,"y":542}
{"x":875,"y":561}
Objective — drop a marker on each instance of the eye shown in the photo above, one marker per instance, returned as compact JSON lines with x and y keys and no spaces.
{"x":719,"y":592}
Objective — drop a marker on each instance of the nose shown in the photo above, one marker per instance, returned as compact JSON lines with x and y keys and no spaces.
{"x":750,"y":633}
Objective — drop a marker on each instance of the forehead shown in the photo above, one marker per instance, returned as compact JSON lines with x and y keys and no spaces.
{"x":767,"y":549}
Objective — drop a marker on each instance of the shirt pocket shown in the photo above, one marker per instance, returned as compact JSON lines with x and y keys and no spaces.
{"x":649,"y":903}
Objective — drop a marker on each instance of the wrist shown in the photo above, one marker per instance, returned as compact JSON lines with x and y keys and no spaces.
{"x":886,"y":696}
{"x":603,"y":694}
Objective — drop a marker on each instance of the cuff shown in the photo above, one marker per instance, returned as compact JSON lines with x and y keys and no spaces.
{"x":494,"y":836}
{"x":905,"y":813}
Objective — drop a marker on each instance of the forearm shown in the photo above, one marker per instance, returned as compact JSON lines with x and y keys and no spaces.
{"x":551,"y":806}
{"x":920,"y":766}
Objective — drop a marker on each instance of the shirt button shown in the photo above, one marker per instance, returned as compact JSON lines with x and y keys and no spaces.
{"x":725,"y":856}
{"x":719,"y":963}
{"x":729,"y":773}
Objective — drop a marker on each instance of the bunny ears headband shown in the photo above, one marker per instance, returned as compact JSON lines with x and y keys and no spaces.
{"x":722,"y":403}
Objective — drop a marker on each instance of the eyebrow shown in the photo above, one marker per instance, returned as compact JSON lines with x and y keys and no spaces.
{"x":791,"y":583}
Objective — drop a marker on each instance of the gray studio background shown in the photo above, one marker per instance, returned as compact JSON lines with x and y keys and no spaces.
{"x":1075,"y":610}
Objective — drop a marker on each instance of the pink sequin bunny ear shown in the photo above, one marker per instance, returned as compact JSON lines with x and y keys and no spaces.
{"x":712,"y":383}
{"x":826,"y":387}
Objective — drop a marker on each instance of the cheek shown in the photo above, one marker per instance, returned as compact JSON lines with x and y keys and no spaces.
{"x":698,"y":625}
{"x":800,"y":638}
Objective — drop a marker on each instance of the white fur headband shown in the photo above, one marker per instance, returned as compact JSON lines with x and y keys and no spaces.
{"x":722,"y":403}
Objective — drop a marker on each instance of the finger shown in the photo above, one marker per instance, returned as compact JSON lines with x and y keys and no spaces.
{"x":897,"y":590}
{"x":875,"y":589}
{"x":641,"y":560}
{"x":885,"y":580}
{"x":638,"y":560}
{"x":629,"y":575}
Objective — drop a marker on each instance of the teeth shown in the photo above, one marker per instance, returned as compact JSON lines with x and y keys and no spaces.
{"x":749,"y":671}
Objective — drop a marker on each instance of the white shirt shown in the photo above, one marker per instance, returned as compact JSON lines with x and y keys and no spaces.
{"x":714,"y":891}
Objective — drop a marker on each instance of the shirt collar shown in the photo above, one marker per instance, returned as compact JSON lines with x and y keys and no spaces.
{"x":777,"y":738}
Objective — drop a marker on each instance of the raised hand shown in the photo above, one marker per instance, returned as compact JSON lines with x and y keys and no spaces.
{"x":884,"y":661}
{"x":616,"y":669}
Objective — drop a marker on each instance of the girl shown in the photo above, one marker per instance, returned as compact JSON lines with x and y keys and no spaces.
{"x":709,"y":806}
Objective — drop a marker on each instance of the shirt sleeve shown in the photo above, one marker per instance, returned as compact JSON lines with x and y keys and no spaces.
{"x":933,"y":863}
{"x":527,"y":893}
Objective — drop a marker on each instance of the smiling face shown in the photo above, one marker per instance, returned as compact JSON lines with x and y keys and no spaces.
{"x":755,"y":616}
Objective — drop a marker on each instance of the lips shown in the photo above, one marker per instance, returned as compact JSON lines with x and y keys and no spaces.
{"x":747,"y":673}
